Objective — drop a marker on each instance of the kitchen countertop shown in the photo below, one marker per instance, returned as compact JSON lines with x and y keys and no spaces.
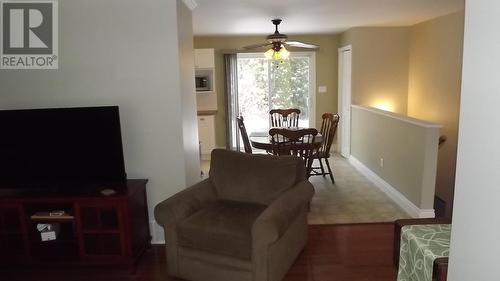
{"x":207,"y":112}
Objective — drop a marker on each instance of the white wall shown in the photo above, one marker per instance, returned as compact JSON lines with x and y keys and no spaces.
{"x":476,"y":227}
{"x":126,"y":53}
{"x":188,"y":96}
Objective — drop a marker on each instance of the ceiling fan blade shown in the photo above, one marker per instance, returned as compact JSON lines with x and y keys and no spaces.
{"x":257,"y":46}
{"x":297,"y":44}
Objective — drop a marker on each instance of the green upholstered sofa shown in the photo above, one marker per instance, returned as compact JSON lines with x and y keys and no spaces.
{"x":247,"y":221}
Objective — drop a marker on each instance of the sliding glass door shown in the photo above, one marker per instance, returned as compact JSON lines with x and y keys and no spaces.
{"x":267,"y":84}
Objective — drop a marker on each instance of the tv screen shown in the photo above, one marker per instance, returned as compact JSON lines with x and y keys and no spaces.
{"x":61,"y":147}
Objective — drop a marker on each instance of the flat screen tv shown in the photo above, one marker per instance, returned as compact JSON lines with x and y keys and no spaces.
{"x":59,"y":148}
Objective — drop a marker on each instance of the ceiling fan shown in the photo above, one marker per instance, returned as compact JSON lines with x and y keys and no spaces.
{"x":277,"y":42}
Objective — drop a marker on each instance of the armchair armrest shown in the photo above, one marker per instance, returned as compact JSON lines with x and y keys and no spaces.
{"x":184,"y":203}
{"x":274,"y":221}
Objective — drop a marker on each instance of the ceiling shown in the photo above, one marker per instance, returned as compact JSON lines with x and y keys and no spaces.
{"x":243,"y":17}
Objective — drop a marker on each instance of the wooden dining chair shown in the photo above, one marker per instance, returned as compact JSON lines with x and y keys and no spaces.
{"x":328,"y":130}
{"x":284,"y":118}
{"x":295,"y":142}
{"x":244,"y":135}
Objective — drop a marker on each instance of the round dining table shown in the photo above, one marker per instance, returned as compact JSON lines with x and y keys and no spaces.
{"x":261,"y":139}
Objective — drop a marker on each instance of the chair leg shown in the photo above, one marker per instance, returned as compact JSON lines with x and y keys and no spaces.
{"x":322,"y":168}
{"x":309,"y":167}
{"x":329,"y":170}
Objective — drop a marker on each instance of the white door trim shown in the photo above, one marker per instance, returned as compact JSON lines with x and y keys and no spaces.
{"x":312,"y":86}
{"x":344,"y":102}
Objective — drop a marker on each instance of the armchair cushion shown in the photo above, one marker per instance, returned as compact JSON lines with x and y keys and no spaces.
{"x":224,"y":228}
{"x":259,"y":178}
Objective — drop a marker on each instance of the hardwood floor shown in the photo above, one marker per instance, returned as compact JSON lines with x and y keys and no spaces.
{"x":356,"y":252}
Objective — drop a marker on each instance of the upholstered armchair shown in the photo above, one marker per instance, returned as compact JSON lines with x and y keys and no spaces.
{"x":247,"y":221}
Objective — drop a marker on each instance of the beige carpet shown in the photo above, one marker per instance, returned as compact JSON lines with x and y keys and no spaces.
{"x":353,"y":198}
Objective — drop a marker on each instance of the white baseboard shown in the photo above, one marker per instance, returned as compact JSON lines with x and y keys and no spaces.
{"x":403,"y":202}
{"x":158,"y":236}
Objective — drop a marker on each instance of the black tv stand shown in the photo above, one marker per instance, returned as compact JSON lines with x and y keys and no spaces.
{"x":99,"y":230}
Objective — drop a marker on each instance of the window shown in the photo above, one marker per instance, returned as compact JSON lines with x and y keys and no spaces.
{"x":267,"y":84}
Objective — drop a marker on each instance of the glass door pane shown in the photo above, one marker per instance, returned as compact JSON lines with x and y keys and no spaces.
{"x":267,"y":84}
{"x":253,"y":92}
{"x":289,"y":86}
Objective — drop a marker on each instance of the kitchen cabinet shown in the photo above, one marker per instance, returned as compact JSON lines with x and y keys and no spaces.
{"x":206,"y":133}
{"x":206,"y":93}
{"x":204,"y":58}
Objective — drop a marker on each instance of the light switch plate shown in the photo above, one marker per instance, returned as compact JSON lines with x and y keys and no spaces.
{"x":322,"y":89}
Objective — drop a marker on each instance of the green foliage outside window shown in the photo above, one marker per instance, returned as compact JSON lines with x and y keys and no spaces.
{"x":267,"y":84}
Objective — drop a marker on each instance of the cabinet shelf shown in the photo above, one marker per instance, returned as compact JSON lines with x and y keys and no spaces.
{"x":204,"y":92}
{"x":52,"y":220}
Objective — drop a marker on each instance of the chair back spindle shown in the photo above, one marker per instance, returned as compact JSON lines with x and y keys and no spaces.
{"x":284,"y":118}
{"x":244,"y":135}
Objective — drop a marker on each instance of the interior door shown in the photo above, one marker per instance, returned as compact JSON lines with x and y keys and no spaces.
{"x":345,"y":70}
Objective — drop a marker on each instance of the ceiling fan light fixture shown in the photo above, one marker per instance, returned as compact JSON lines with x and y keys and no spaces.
{"x":284,"y":53}
{"x":280,"y":54}
{"x":269,"y":54}
{"x":277,"y":42}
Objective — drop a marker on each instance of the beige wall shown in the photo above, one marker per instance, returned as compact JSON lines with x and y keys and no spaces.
{"x":408,"y":147}
{"x":417,"y":70}
{"x":434,"y":88}
{"x":326,"y":71}
{"x":380,"y":59}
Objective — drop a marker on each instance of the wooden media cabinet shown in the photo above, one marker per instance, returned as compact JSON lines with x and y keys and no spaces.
{"x":96,"y":229}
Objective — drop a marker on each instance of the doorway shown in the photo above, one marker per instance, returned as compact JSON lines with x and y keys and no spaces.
{"x":344,"y":102}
